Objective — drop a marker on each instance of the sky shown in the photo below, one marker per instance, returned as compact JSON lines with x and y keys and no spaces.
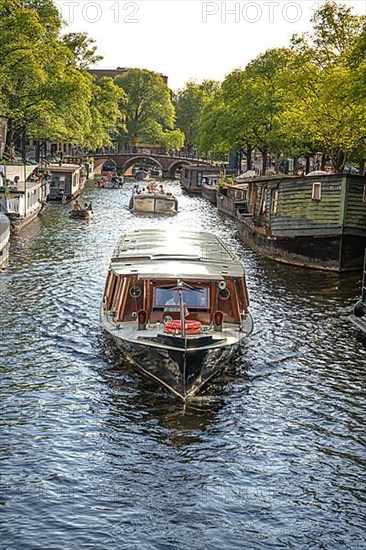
{"x":190,"y":39}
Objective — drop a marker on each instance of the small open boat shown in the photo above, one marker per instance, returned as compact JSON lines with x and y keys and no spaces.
{"x":82,"y":214}
{"x":176,"y":303}
{"x":154,"y":203}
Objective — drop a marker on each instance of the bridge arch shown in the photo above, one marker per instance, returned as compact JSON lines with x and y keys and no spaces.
{"x":137,"y":158}
{"x":173,"y":167}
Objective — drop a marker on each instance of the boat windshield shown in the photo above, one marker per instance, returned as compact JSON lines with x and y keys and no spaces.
{"x":197,"y":298}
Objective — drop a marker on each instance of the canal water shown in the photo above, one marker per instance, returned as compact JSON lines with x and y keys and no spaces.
{"x":270,"y":456}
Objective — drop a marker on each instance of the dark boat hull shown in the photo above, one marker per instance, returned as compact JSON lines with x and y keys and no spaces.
{"x":181,"y":372}
{"x":209,"y":194}
{"x":340,"y":252}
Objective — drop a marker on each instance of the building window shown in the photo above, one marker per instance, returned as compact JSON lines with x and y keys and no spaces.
{"x":274,"y":201}
{"x":317,"y":191}
{"x":364,"y":193}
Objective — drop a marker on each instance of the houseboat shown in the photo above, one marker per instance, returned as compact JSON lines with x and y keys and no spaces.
{"x":4,"y":240}
{"x":359,"y":311}
{"x":209,"y":187}
{"x":23,"y":193}
{"x":67,"y":181}
{"x":176,"y":303}
{"x":232,"y":197}
{"x":317,"y":222}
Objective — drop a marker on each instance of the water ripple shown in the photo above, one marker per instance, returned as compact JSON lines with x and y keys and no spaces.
{"x":270,"y":457}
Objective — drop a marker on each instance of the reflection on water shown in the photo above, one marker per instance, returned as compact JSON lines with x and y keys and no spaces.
{"x":93,"y":455}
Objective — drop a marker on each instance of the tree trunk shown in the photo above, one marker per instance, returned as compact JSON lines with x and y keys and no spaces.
{"x":323,"y":161}
{"x":362,"y":166}
{"x":248,"y":154}
{"x":339,"y":160}
{"x":264,"y":161}
{"x":37,"y":152}
{"x":24,"y":146}
{"x":9,"y":143}
{"x":307,"y":164}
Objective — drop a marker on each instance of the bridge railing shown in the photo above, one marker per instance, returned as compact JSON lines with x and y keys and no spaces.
{"x":108,"y":152}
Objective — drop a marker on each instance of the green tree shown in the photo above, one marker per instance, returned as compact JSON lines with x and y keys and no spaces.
{"x":189,"y":103}
{"x":327,"y":89}
{"x":83,"y":50}
{"x":146,"y":104}
{"x":105,"y":112}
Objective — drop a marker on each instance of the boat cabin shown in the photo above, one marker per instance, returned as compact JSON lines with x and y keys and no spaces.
{"x":148,"y":266}
{"x":23,"y":192}
{"x":192,"y":176}
{"x":232,"y":197}
{"x":314,"y":221}
{"x":210,"y":184}
{"x":67,"y":180}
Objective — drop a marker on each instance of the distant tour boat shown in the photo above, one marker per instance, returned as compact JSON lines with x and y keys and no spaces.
{"x":154,"y":203}
{"x":176,"y":303}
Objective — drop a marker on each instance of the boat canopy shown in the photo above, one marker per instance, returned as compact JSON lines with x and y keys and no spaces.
{"x":157,"y":253}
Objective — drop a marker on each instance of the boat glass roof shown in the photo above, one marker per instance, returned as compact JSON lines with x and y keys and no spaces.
{"x":172,"y":254}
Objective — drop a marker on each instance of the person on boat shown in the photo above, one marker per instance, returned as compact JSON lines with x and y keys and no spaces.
{"x":172,"y":303}
{"x":161,"y":189}
{"x":76,"y":205}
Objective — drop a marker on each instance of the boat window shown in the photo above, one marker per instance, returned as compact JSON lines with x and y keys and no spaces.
{"x":317,"y":191}
{"x":199,"y":298}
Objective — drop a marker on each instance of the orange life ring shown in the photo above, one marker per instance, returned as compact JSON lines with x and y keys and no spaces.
{"x":174,"y":327}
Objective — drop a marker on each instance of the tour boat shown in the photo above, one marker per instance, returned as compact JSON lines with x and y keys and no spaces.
{"x":359,"y":311}
{"x":154,"y":203}
{"x":176,"y":303}
{"x":4,"y":239}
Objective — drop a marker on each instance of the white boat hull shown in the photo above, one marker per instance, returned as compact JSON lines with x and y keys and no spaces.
{"x":154,"y":204}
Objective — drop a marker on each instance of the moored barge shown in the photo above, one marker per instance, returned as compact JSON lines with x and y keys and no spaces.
{"x":317,"y":222}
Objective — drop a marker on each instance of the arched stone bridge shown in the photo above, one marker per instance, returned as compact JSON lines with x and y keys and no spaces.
{"x":168,"y":164}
